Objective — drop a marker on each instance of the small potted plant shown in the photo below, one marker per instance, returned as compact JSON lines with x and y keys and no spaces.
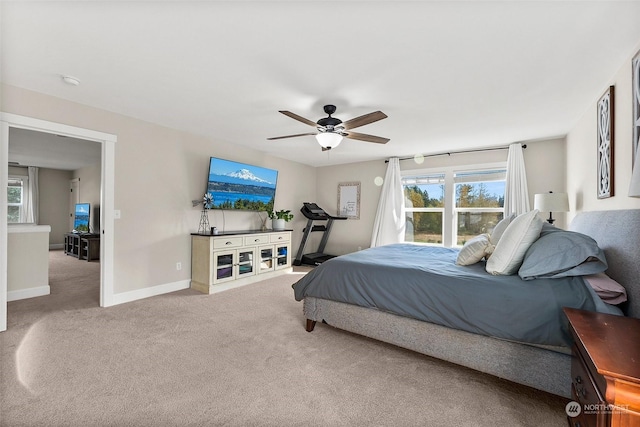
{"x":279,"y":218}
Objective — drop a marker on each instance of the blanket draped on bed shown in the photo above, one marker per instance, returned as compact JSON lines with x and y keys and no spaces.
{"x":424,"y":283}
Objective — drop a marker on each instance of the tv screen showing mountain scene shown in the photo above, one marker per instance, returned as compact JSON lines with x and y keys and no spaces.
{"x":81,"y":217}
{"x":234,"y":185}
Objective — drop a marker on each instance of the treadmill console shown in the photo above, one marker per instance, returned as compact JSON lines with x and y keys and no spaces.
{"x":313,"y":211}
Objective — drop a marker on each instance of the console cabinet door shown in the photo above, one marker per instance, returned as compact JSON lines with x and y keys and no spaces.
{"x":266,"y":258}
{"x":283,"y":256}
{"x":245,"y":264}
{"x":223,"y":266}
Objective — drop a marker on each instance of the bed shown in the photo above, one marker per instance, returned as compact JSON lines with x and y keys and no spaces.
{"x":534,"y":350}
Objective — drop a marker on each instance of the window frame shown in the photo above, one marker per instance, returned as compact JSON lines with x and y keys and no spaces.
{"x":450,"y":211}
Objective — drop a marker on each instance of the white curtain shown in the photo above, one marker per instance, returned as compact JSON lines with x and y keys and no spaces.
{"x":31,"y":202}
{"x":516,"y":194}
{"x":390,"y":218}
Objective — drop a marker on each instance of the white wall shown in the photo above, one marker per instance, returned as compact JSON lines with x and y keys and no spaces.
{"x":89,"y":189}
{"x":27,"y":261}
{"x":544,"y":161}
{"x":582,"y":150}
{"x":54,"y":202}
{"x":158,"y":171}
{"x":347,"y":235}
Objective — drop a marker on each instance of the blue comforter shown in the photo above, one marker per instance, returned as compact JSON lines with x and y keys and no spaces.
{"x":424,"y":283}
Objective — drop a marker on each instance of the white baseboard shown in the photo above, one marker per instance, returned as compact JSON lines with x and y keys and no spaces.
{"x":28,"y":293}
{"x":153,"y":291}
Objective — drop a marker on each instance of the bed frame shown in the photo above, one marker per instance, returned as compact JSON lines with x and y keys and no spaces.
{"x":541,"y":367}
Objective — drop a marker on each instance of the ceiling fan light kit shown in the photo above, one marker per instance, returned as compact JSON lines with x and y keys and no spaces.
{"x":331,"y":130}
{"x":329,"y":139}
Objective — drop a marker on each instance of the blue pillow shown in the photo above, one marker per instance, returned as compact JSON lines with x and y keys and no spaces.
{"x":562,"y":253}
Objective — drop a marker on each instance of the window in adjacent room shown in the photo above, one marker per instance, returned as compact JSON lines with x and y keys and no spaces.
{"x":15,"y":199}
{"x":451,"y":206}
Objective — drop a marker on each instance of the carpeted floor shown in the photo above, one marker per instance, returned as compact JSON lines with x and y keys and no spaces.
{"x":237,"y":358}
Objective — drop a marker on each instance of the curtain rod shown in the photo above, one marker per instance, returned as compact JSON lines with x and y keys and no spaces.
{"x":458,"y":152}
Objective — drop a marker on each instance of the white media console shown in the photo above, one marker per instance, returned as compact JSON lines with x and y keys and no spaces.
{"x":232,"y":259}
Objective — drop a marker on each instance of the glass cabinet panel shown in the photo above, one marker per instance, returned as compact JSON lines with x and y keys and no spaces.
{"x":266,"y":259}
{"x":223,"y":265}
{"x":245,"y":262}
{"x":282,"y":257}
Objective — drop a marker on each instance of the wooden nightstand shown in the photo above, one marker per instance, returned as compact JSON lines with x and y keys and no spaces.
{"x":605,"y":369}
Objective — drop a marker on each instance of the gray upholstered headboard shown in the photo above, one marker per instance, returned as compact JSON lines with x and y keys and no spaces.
{"x":618,"y":234}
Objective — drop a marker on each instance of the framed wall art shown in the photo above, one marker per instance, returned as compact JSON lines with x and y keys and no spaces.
{"x":605,"y":144}
{"x":349,"y":199}
{"x":635,"y":87}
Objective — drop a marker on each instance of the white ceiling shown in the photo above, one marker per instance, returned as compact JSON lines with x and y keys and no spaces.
{"x":30,"y":148}
{"x":450,"y":75}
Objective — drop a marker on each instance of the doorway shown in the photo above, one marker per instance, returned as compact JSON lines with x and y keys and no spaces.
{"x":107,"y":142}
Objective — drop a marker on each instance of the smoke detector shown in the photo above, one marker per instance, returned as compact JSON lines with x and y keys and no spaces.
{"x":74,"y":81}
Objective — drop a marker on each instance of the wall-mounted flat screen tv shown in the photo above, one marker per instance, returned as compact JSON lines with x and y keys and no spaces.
{"x":234,"y":185}
{"x":81,"y":217}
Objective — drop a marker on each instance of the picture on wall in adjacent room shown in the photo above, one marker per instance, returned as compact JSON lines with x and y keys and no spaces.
{"x":605,"y":144}
{"x":635,"y":87}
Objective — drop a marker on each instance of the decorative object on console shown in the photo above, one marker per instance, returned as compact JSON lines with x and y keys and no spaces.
{"x":551,"y":202}
{"x":263,"y":227}
{"x":605,"y":144}
{"x":349,"y":200}
{"x":279,"y":218}
{"x":207,"y":202}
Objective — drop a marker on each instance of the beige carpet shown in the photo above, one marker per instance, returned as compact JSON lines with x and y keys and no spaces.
{"x":237,"y":358}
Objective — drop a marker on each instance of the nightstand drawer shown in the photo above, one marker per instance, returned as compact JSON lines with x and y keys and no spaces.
{"x":585,"y":392}
{"x":584,"y":387}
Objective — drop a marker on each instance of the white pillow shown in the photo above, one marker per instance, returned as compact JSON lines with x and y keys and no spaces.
{"x":499,"y":229}
{"x":519,"y":235}
{"x":474,"y":250}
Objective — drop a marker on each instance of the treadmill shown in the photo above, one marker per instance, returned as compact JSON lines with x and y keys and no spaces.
{"x":315,"y":213}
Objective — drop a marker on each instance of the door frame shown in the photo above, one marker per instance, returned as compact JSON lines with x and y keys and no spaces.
{"x":73,"y":199}
{"x":7,"y":121}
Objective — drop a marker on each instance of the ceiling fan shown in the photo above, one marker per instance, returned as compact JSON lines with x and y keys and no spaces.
{"x":331,"y":130}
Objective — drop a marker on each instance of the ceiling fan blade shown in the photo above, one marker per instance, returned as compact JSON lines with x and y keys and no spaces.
{"x":299,"y":118}
{"x":364,"y":120}
{"x":292,"y":136}
{"x":365,"y":137}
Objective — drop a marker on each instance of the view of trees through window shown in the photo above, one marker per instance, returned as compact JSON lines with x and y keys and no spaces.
{"x":424,"y":225}
{"x":14,"y":200}
{"x":472,"y":203}
{"x":478,"y":205}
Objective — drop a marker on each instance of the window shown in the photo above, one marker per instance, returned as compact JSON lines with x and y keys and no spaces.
{"x":17,"y":194}
{"x":449,"y":207}
{"x":479,"y":202}
{"x":15,"y":199}
{"x":424,"y":202}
